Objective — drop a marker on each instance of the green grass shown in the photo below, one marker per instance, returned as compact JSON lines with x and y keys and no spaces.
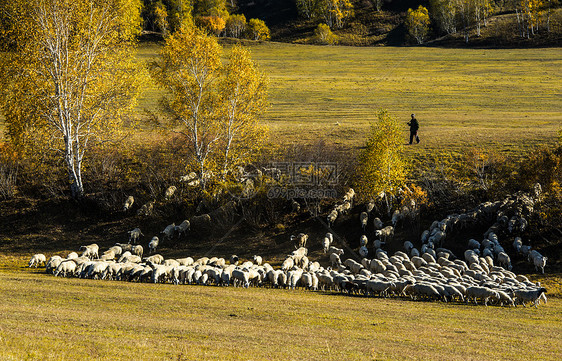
{"x":48,"y":318}
{"x":506,"y":99}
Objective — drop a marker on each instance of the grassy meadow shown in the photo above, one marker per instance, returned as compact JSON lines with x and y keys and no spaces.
{"x":508,"y":99}
{"x":48,"y":318}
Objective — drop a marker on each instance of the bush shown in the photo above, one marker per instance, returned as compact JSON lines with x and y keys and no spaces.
{"x":257,"y":30}
{"x":324,"y":35}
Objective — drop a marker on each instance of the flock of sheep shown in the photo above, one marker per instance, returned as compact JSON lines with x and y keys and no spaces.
{"x":483,"y":275}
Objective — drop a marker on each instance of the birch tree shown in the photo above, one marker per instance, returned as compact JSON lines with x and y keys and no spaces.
{"x":214,"y":107}
{"x":243,"y":91}
{"x":382,"y":167}
{"x":74,"y":63}
{"x":189,"y":69}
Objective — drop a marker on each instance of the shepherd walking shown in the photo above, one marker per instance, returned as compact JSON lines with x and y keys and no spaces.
{"x":414,"y":126}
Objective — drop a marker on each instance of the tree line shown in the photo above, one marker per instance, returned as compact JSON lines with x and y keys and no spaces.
{"x":453,"y":16}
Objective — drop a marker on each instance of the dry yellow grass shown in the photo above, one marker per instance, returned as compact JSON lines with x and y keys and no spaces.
{"x":48,"y":318}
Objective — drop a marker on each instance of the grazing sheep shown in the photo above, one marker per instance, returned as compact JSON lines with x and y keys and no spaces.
{"x":117,"y":250}
{"x":364,"y":218}
{"x":326,"y":244}
{"x":36,"y":259}
{"x":504,"y":260}
{"x":241,"y":277}
{"x":153,"y":244}
{"x":128,"y":203}
{"x":65,"y":268}
{"x":156,"y":259}
{"x":90,"y":251}
{"x":539,"y":261}
{"x":146,"y":209}
{"x":397,"y":217}
{"x":335,"y":260}
{"x":258,"y":260}
{"x":353,"y":265}
{"x":482,"y":293}
{"x":532,"y":296}
{"x":170,"y":192}
{"x":338,"y":251}
{"x":169,"y":231}
{"x":234,"y":259}
{"x":349,"y":195}
{"x":370,"y":206}
{"x":363,"y":240}
{"x":108,"y":255}
{"x":332,"y":217}
{"x":363,"y":251}
{"x":408,"y":246}
{"x":377,"y":223}
{"x":288,"y":263}
{"x":385,"y":234}
{"x":52,"y":264}
{"x":182,"y":228}
{"x":135,"y":235}
{"x":299,"y":240}
{"x":473,"y":244}
{"x":137,"y":250}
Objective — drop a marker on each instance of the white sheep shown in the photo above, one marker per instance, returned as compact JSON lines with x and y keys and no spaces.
{"x":53,"y":263}
{"x":36,"y":259}
{"x":299,"y":240}
{"x":538,"y":260}
{"x":170,"y":192}
{"x":408,"y":246}
{"x":377,"y":223}
{"x":335,"y":259}
{"x":332,"y":217}
{"x":128,"y":203}
{"x":288,"y":263}
{"x":370,"y":206}
{"x":146,"y":209}
{"x":257,"y":260}
{"x":349,"y":195}
{"x":482,"y":293}
{"x":90,"y":251}
{"x":182,"y":228}
{"x":532,"y":296}
{"x":65,"y":268}
{"x":153,"y":244}
{"x":326,"y":244}
{"x":364,"y":218}
{"x":168,"y":232}
{"x":135,"y":235}
{"x":504,"y":260}
{"x":517,"y":244}
{"x":363,"y":251}
{"x":473,"y":244}
{"x":363,"y":240}
{"x":385,"y":234}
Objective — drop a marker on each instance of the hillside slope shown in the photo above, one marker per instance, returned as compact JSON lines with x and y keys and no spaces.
{"x":369,"y":27}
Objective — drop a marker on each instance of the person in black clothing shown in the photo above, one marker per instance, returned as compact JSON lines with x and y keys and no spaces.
{"x":414,"y":126}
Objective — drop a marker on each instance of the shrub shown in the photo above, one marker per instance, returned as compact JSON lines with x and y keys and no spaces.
{"x":324,"y":35}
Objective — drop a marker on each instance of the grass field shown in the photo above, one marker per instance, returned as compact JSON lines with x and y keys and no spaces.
{"x":48,"y":318}
{"x":506,"y":99}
